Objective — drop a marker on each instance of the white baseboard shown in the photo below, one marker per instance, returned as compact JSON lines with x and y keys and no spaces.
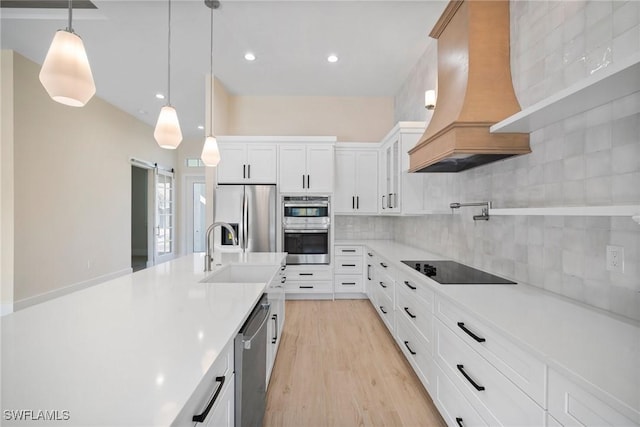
{"x":6,"y":309}
{"x":27,"y":302}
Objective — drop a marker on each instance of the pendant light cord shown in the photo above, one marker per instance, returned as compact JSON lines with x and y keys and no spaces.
{"x":169,"y":60}
{"x":212,"y":82}
{"x":70,"y":28}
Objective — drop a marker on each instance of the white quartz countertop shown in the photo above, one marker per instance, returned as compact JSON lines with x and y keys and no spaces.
{"x":583,"y":343}
{"x":129,"y":351}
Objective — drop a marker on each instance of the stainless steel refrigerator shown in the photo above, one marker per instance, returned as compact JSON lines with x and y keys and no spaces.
{"x":252,"y":211}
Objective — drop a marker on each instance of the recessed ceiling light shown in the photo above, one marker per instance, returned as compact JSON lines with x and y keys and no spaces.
{"x":249,"y":56}
{"x":159,"y":96}
{"x":200,"y":127}
{"x":332,"y":58}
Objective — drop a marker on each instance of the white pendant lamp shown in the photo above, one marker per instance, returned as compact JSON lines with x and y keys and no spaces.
{"x":167,"y":132}
{"x":210,"y":152}
{"x":66,"y":73}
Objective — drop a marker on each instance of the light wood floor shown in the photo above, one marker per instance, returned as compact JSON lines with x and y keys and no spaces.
{"x":338,"y":366}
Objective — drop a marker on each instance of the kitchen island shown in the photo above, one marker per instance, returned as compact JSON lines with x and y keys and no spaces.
{"x":129,"y":351}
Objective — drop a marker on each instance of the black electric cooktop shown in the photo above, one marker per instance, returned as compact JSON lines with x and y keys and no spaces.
{"x":454,"y":273}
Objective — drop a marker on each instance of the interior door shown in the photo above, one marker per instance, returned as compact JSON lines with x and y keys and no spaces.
{"x":164,"y":227}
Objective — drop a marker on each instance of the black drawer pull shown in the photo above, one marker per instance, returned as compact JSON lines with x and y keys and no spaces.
{"x":383,"y":285}
{"x":413,"y":288}
{"x":283,"y":268}
{"x":382,"y":310}
{"x":383,"y":264}
{"x":471,"y":334}
{"x":369,"y":253}
{"x":473,"y":383}
{"x":406,"y":309}
{"x":275,"y":338}
{"x":306,"y":287}
{"x":348,"y":250}
{"x":348,"y":265}
{"x":200,"y":418}
{"x":305,"y":274}
{"x":284,"y":279}
{"x":406,"y":344}
{"x":459,"y":421}
{"x":348,"y":283}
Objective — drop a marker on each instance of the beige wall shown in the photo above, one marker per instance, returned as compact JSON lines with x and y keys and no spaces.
{"x":72,"y":186}
{"x":6,"y":182}
{"x":354,"y":119}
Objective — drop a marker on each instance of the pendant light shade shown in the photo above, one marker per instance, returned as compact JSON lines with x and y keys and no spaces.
{"x":167,"y":132}
{"x":65,"y":73}
{"x":210,"y":152}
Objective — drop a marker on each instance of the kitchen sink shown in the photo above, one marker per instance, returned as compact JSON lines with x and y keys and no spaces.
{"x":242,"y":273}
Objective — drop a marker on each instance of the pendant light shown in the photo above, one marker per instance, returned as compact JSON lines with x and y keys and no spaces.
{"x":167,"y":133}
{"x":210,"y":152}
{"x":65,"y":73}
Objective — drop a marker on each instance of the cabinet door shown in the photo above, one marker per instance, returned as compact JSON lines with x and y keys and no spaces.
{"x":222,"y":414}
{"x":231,"y":169}
{"x":345,"y":186}
{"x":292,"y":168}
{"x":366,"y":182}
{"x":394,"y":179}
{"x":320,"y":168}
{"x":261,"y":164}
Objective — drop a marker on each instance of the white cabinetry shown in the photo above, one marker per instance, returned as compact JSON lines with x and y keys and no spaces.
{"x":275,"y":293}
{"x":247,"y":163}
{"x":349,"y":267}
{"x":400,"y":192}
{"x":356,"y":186}
{"x":308,"y":279}
{"x":306,"y":168}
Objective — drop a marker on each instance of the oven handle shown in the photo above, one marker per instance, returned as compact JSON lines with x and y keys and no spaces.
{"x":307,"y":231}
{"x":307,"y":205}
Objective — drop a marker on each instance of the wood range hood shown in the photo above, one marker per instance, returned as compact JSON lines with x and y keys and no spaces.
{"x":474,"y":91}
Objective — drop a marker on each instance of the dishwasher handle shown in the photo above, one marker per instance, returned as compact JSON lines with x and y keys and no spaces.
{"x":247,"y":342}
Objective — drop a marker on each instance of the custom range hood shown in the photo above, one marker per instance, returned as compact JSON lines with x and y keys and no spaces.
{"x":474,"y":91}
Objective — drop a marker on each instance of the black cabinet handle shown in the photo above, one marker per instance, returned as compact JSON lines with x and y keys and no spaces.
{"x":383,"y":206}
{"x":369,"y":253}
{"x":357,"y":202}
{"x":406,"y":309}
{"x":303,"y":182}
{"x":308,"y":181}
{"x":351,"y":251}
{"x":383,"y":265}
{"x":306,"y":274}
{"x":200,"y":418}
{"x":368,"y":271}
{"x":459,"y":421}
{"x":389,"y":204}
{"x":383,"y":285}
{"x":382,"y":310}
{"x":306,"y":287}
{"x":283,"y":268}
{"x":413,"y":288}
{"x":275,"y":338}
{"x":353,"y":202}
{"x":348,"y":265}
{"x":348,"y":283}
{"x":244,"y":171}
{"x":249,"y":171}
{"x":284,"y":279}
{"x":406,"y":344}
{"x":473,"y":383}
{"x":471,"y":334}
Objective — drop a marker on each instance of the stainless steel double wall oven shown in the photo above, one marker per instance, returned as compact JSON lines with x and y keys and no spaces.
{"x":306,"y":229}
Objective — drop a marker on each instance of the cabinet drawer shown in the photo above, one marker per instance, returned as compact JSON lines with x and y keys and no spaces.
{"x":348,"y":250}
{"x":349,"y":283}
{"x":414,"y":289}
{"x":384,"y":284}
{"x":453,"y":406}
{"x":416,"y":349}
{"x":496,"y":398}
{"x":314,"y":275}
{"x":218,"y":377}
{"x":572,"y":405}
{"x":384,"y":307}
{"x":524,"y":370}
{"x":413,"y":310}
{"x":310,"y":287}
{"x":348,"y":265}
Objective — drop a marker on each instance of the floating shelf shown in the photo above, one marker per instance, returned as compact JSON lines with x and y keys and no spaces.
{"x":615,"y":81}
{"x":618,"y":210}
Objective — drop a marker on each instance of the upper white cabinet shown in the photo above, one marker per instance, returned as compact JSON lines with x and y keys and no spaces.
{"x":247,"y":163}
{"x":306,"y":168}
{"x":356,"y":186}
{"x":401,"y":192}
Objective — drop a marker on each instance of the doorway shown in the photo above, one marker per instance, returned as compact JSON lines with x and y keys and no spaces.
{"x":139,"y":218}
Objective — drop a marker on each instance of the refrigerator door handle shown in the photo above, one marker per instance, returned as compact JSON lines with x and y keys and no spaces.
{"x":245,"y":222}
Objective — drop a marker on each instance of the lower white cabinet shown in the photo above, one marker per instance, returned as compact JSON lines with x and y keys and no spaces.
{"x":453,"y":406}
{"x":275,"y":293}
{"x":305,"y":279}
{"x":415,"y":348}
{"x":572,"y":405}
{"x":348,"y":268}
{"x":223,"y":413}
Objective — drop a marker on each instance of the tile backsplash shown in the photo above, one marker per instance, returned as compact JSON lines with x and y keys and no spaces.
{"x":591,"y":158}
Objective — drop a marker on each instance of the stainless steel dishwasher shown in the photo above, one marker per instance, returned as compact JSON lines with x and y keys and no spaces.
{"x":251,"y":367}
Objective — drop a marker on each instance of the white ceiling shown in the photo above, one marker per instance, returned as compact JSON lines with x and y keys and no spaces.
{"x":378,"y":42}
